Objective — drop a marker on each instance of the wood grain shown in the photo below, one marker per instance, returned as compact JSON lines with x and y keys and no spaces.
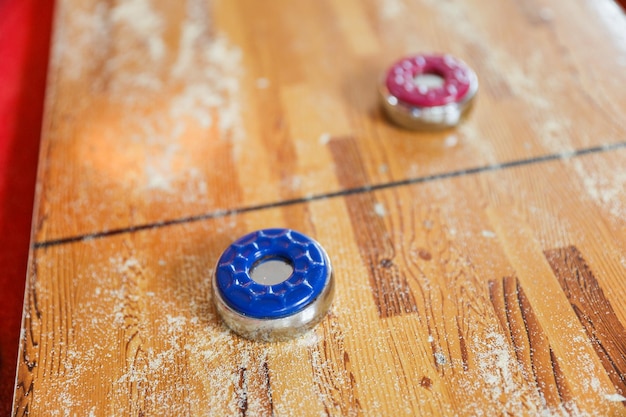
{"x":532,"y":348}
{"x":173,"y":128}
{"x":594,"y":311}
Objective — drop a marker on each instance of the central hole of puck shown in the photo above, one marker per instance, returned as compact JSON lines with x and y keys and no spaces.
{"x":271,"y":271}
{"x":428,"y":81}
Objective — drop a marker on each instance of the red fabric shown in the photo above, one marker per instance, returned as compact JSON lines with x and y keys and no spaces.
{"x":25,"y":27}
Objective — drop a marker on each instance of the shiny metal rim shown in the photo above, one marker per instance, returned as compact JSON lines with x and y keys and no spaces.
{"x":283,"y":328}
{"x":428,"y":118}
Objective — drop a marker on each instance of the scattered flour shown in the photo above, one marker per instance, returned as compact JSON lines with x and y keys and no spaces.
{"x":488,"y":234}
{"x":615,"y":397}
{"x":391,"y":9}
{"x":450,"y":141}
{"x":380,"y":210}
{"x":440,"y":358}
{"x":161,"y":88}
{"x":88,"y":27}
{"x":546,"y":14}
{"x":262,"y":83}
{"x":308,"y":339}
{"x":168,"y":354}
{"x":497,"y":369}
{"x":324,"y":138}
{"x":171,"y":346}
{"x":607,"y":190}
{"x":139,"y":17}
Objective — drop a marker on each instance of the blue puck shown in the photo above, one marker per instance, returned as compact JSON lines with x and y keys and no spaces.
{"x":272,"y":284}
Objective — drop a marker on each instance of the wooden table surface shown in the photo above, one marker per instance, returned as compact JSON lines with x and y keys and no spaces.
{"x":479,"y":270}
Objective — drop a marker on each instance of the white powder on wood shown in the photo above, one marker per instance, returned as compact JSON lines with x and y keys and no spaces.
{"x":605,"y":190}
{"x":164,"y":88}
{"x":324,"y":139}
{"x":380,"y":210}
{"x":141,"y":18}
{"x":546,"y":14}
{"x":500,"y":373}
{"x":488,"y":234}
{"x":262,"y":83}
{"x":615,"y":397}
{"x":191,"y":32}
{"x":440,"y":358}
{"x":391,"y":9}
{"x":451,"y":141}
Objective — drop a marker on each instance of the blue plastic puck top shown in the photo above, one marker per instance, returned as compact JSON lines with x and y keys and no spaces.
{"x":311,"y":273}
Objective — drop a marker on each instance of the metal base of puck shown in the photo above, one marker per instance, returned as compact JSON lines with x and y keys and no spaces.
{"x":273,"y":284}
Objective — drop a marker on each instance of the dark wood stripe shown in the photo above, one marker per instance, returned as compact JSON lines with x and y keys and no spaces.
{"x":242,"y":393}
{"x":390,"y":288}
{"x":253,"y":390}
{"x":531,"y":345}
{"x":462,"y":346}
{"x":606,"y":332}
{"x":268,"y":388}
{"x":545,"y":368}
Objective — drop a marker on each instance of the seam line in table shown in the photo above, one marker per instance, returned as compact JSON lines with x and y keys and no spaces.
{"x":334,"y":194}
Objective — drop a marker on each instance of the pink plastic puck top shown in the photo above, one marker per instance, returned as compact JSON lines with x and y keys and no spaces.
{"x":456,"y":80}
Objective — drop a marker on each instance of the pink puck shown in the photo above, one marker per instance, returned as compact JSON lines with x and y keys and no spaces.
{"x":428,"y":91}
